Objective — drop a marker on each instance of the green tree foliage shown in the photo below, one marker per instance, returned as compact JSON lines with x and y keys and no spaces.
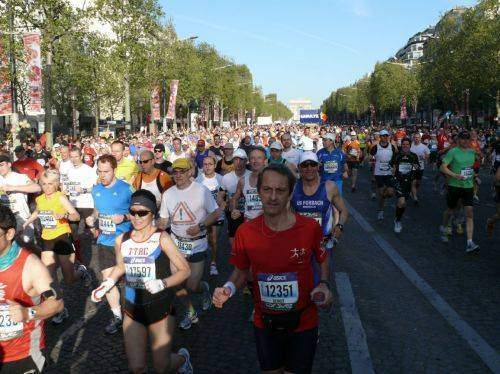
{"x":462,"y":61}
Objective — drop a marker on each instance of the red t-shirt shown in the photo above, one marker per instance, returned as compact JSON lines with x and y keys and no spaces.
{"x":281,"y":265}
{"x":29,"y":167}
{"x":443,"y":142}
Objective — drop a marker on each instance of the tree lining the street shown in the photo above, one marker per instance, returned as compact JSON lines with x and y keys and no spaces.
{"x":98,"y":50}
{"x":459,"y":72}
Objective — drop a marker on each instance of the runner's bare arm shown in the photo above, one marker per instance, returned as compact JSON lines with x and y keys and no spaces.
{"x":40,"y":281}
{"x":31,"y":218}
{"x":71,"y":214}
{"x":177,"y":259}
{"x":337,"y":201}
{"x":233,"y":202}
{"x":27,"y":188}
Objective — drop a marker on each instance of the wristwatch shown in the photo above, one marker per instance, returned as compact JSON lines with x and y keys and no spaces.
{"x":325,"y":282}
{"x":202,"y":226}
{"x":340,"y":226}
{"x":31,"y":314}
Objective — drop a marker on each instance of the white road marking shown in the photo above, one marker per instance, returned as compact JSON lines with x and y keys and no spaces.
{"x":359,"y":355}
{"x":487,"y":354}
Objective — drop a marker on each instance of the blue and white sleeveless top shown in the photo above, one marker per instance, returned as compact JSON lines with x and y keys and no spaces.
{"x":144,"y":261}
{"x":316,"y":206}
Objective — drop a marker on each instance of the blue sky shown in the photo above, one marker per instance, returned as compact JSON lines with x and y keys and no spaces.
{"x":305,"y":49}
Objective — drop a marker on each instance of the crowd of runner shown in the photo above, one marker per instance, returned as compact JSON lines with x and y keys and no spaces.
{"x":156,"y":206}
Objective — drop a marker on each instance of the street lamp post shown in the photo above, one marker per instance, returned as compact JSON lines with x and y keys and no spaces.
{"x":14,"y":119}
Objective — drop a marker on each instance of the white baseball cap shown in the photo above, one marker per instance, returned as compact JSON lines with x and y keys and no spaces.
{"x":330,"y":136}
{"x":384,"y":132}
{"x":308,"y":156}
{"x":353,"y":133}
{"x":276,"y":145}
{"x":240,"y":153}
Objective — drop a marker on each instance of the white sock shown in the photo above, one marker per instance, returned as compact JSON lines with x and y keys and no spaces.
{"x":117,"y":312}
{"x":469,"y":241}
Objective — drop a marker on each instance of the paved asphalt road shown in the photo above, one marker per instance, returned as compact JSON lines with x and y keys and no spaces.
{"x":404,"y":303}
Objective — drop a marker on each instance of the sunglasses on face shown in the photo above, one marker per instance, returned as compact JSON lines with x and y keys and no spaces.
{"x":143,"y":161}
{"x":306,"y":164}
{"x":139,"y":213}
{"x":158,"y":151}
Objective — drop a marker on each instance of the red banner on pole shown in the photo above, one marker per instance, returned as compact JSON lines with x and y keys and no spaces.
{"x":5,"y":89}
{"x":174,"y":85}
{"x":155,"y":104}
{"x":33,"y":59}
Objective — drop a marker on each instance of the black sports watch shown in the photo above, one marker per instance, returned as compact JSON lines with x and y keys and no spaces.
{"x":325,"y":282}
{"x":340,"y":226}
{"x":202,"y":226}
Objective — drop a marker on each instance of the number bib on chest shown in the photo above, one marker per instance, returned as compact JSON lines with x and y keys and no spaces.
{"x":278,"y":292}
{"x":47,"y":219}
{"x":331,"y":167}
{"x":139,"y":270}
{"x":106,"y":224}
{"x":8,"y":328}
{"x":404,"y":168}
{"x":467,"y":173}
{"x":317,"y":216}
{"x":384,"y":166}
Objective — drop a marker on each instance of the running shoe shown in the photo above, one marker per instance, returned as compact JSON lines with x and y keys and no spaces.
{"x":445,"y":233}
{"x":374,"y":196}
{"x":397,"y":226}
{"x":213,"y":269}
{"x":60,"y":317}
{"x":187,"y":367}
{"x":490,"y":225}
{"x":460,"y":229}
{"x":207,"y":298}
{"x":114,"y":325}
{"x":471,"y":247}
{"x":86,"y":276}
{"x":188,"y":320}
{"x":380,"y":215}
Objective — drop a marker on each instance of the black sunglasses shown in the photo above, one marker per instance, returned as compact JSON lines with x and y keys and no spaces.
{"x":310,"y":164}
{"x":143,"y":161}
{"x":158,"y":150}
{"x":140,"y":213}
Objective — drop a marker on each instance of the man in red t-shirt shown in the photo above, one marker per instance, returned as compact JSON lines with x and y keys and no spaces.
{"x":27,"y":165}
{"x":276,"y":250}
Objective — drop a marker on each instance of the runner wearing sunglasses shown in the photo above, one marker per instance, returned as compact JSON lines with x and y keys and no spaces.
{"x":145,"y":256}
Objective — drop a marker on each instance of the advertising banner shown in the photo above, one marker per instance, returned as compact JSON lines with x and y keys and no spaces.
{"x":31,"y":43}
{"x":174,"y":85}
{"x":5,"y":91}
{"x":155,"y":104}
{"x":309,"y":116}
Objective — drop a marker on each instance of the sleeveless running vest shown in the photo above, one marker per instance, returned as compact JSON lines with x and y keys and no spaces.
{"x":18,"y":339}
{"x":253,"y":204}
{"x":382,"y":159}
{"x":316,"y":206}
{"x":47,"y":208}
{"x":144,"y":261}
{"x":199,"y":157}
